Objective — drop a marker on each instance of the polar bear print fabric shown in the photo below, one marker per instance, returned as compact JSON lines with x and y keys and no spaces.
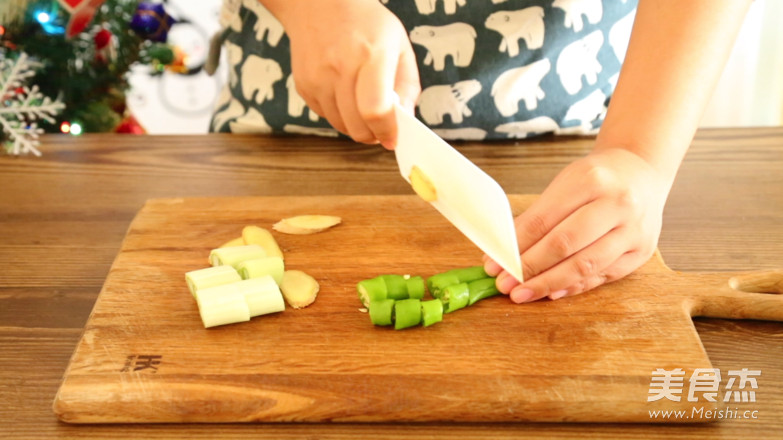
{"x":266,"y":23}
{"x":531,"y":127}
{"x":584,"y":111}
{"x":526,"y":24}
{"x":258,"y":77}
{"x":575,"y":9}
{"x":437,"y":101}
{"x":455,"y":40}
{"x":579,"y":59}
{"x":427,"y":7}
{"x":520,"y":84}
{"x":619,"y":35}
{"x":489,"y":69}
{"x":297,"y":104}
{"x":250,"y":122}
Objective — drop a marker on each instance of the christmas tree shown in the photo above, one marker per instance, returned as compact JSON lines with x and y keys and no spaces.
{"x":63,"y":64}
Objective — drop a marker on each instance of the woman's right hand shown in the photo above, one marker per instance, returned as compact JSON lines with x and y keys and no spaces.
{"x":348,"y":58}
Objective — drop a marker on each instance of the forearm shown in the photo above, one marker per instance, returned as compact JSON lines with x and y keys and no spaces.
{"x":675,"y":57}
{"x":288,"y":11}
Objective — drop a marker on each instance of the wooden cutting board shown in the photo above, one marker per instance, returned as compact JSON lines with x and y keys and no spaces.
{"x":145,"y":357}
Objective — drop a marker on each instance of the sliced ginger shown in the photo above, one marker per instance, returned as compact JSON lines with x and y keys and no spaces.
{"x":235,"y":242}
{"x":263,"y":238}
{"x":422,"y":185}
{"x":306,"y":224}
{"x":299,"y":289}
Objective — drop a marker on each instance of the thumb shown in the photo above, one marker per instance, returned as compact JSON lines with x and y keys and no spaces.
{"x":406,"y":81}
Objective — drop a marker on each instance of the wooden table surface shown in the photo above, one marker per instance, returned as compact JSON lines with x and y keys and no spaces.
{"x":64,"y":215}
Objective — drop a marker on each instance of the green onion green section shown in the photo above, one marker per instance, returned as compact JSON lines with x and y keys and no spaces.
{"x":399,"y":300}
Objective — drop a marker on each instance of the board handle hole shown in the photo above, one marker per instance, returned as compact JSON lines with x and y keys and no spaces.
{"x":769,"y":281}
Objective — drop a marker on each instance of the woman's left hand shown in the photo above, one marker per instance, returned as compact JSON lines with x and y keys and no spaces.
{"x":596,"y":222}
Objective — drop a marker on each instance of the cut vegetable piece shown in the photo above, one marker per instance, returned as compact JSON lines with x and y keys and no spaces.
{"x":306,"y":224}
{"x":481,"y":289}
{"x":299,"y":288}
{"x":468,"y":274}
{"x":262,"y":295}
{"x":263,"y":238}
{"x":396,"y":286}
{"x":373,"y":289}
{"x":422,"y":185}
{"x":239,"y":241}
{"x":381,"y":311}
{"x":210,"y":277}
{"x":455,"y":297}
{"x":415,"y":286}
{"x":222,"y":305}
{"x":407,"y":313}
{"x":437,"y":283}
{"x":260,"y":267}
{"x":232,"y":256}
{"x":431,"y":312}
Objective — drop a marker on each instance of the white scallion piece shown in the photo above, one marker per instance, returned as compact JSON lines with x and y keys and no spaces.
{"x":211,"y":277}
{"x":260,"y":267}
{"x":233,"y":255}
{"x":221,"y":305}
{"x":262,"y":295}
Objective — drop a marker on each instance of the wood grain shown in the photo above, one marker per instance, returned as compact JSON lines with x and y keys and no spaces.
{"x":724,"y":214}
{"x":587,"y":358}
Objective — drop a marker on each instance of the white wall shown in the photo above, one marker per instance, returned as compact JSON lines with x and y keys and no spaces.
{"x":750,"y":92}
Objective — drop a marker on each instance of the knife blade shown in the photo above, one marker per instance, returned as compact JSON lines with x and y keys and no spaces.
{"x":466,"y":195}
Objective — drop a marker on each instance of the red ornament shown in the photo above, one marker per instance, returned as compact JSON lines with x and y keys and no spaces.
{"x":82,"y":12}
{"x":102,"y":39}
{"x":105,"y":46}
{"x":129,"y":125}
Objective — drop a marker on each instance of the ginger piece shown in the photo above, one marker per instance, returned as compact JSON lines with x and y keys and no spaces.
{"x":299,"y":289}
{"x":422,"y":185}
{"x":263,"y":238}
{"x":306,"y":224}
{"x":239,"y":241}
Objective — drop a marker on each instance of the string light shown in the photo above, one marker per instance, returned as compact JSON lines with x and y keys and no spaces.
{"x":65,"y":127}
{"x":76,"y":129}
{"x":48,"y":22}
{"x":43,"y":17}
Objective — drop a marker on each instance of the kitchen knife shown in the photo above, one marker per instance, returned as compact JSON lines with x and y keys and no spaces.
{"x":467,"y":196}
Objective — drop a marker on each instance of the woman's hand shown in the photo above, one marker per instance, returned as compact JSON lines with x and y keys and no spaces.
{"x":598,"y":221}
{"x":348,"y":57}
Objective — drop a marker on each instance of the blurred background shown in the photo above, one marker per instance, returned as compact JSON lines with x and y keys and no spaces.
{"x":136,"y":66}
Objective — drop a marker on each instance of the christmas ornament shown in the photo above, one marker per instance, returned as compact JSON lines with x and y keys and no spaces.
{"x":160,"y":54}
{"x":81,"y":14}
{"x":151,"y":21}
{"x":129,"y":125}
{"x":179,"y":63}
{"x":21,"y":106}
{"x":105,"y":46}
